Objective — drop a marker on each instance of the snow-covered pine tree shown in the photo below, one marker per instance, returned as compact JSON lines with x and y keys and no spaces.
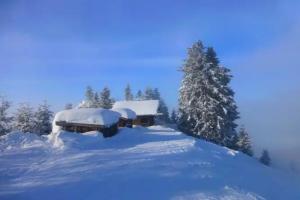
{"x":5,"y":119}
{"x":24,"y":119}
{"x":89,"y":101}
{"x":128,"y":93}
{"x":206,"y":104}
{"x":96,"y":100}
{"x":89,"y":93}
{"x":149,"y":94}
{"x":265,"y":158}
{"x":154,"y":94}
{"x":68,"y":106}
{"x":43,"y":118}
{"x":162,"y":108}
{"x":244,"y":142}
{"x":174,"y":117}
{"x":226,"y":107}
{"x":139,"y":95}
{"x":233,"y":144}
{"x":189,"y":112}
{"x":211,"y":56}
{"x":105,"y":100}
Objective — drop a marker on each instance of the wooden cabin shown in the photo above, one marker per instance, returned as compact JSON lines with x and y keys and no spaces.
{"x":84,"y":127}
{"x":87,"y":119}
{"x":146,"y":110}
{"x":127,"y":117}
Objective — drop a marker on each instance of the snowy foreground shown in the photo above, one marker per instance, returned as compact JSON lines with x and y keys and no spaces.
{"x":138,"y":163}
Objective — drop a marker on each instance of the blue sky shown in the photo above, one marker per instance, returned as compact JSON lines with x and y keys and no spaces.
{"x":53,"y":49}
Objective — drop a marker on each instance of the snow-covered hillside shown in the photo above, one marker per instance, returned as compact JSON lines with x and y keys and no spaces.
{"x":138,"y":163}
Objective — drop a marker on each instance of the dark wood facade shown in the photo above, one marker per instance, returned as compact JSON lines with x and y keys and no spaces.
{"x":123,"y":122}
{"x":82,"y":128}
{"x":144,"y":120}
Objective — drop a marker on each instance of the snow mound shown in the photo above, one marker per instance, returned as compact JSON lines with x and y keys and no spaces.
{"x":87,"y":140}
{"x":19,"y":140}
{"x":97,"y":116}
{"x":125,"y":113}
{"x":147,"y":107}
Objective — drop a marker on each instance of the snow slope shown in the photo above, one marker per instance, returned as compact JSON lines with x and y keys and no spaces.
{"x":138,"y":163}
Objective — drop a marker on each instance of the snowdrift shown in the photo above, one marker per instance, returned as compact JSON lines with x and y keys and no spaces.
{"x":137,"y":163}
{"x":19,"y":140}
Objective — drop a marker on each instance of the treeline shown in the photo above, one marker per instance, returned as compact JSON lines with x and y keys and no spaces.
{"x":25,"y":119}
{"x":207,"y":108}
{"x":94,"y":99}
{"x":103,"y":99}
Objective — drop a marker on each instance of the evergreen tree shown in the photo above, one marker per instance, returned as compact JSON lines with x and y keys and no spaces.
{"x":149,"y":94}
{"x":89,"y":101}
{"x":173,"y":116}
{"x":24,"y":119}
{"x":105,"y":100}
{"x":43,"y":117}
{"x":206,"y":105}
{"x":96,"y":100}
{"x":5,"y":120}
{"x":128,"y":93}
{"x":153,"y":94}
{"x":162,"y":107}
{"x":89,"y":94}
{"x":226,"y":108}
{"x":244,"y":142}
{"x":189,"y":111}
{"x":68,"y":106}
{"x":265,"y":158}
{"x":233,"y":144}
{"x":211,"y":56}
{"x":139,"y":95}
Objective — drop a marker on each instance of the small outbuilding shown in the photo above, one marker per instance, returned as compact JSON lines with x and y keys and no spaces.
{"x":146,"y":110}
{"x":127,"y":117}
{"x":87,"y":119}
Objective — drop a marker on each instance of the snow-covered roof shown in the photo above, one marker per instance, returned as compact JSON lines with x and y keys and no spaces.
{"x":147,"y":107}
{"x":97,"y":116}
{"x":125,"y":113}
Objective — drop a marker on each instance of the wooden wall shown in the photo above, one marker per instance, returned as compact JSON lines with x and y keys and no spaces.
{"x":125,"y":122}
{"x":145,"y":120}
{"x":82,"y":128}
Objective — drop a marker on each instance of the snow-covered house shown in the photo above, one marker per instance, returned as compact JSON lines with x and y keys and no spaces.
{"x":87,"y":119}
{"x":145,"y":110}
{"x":127,"y":116}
